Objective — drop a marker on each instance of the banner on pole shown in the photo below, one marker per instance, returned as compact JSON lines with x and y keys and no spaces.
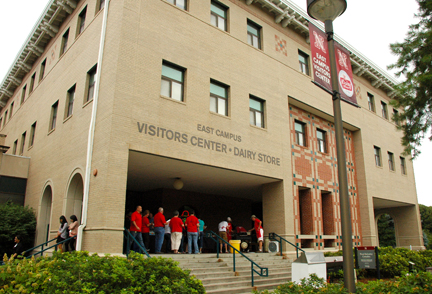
{"x":345,"y":75}
{"x":320,"y":57}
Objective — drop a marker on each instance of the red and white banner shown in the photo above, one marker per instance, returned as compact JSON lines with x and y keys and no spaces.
{"x":321,"y":65}
{"x":345,"y":75}
{"x":320,"y":57}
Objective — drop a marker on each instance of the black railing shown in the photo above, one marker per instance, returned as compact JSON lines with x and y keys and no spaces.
{"x":128,"y":236}
{"x":276,"y":237}
{"x":45,"y":244}
{"x":263,"y":271}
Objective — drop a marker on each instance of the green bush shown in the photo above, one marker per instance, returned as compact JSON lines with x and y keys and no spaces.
{"x":411,"y":283}
{"x":79,"y":272}
{"x":16,"y":220}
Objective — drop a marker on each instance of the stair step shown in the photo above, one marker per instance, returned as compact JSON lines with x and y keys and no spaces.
{"x":257,"y":282}
{"x":244,"y":290}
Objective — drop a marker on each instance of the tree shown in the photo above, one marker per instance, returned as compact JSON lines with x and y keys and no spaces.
{"x":414,"y":94}
{"x":16,"y":220}
{"x":386,"y":231}
{"x":426,"y":220}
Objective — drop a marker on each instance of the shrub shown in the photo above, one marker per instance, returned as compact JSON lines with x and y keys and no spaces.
{"x":79,"y":272}
{"x":16,"y":220}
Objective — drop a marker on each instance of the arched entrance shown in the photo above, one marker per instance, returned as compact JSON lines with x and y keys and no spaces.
{"x":43,"y":224}
{"x":74,"y":197}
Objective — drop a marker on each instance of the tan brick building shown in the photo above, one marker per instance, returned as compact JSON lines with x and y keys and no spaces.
{"x":216,"y":93}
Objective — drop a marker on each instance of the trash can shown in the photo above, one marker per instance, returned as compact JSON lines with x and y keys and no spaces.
{"x":309,"y":263}
{"x":235,"y":244}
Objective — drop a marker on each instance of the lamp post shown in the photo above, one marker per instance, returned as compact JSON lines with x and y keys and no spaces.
{"x":327,"y":11}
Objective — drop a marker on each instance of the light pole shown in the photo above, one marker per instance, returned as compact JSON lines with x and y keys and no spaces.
{"x":327,"y":11}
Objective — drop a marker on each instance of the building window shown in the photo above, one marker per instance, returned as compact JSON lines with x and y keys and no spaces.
{"x":14,"y":148}
{"x":32,"y":134}
{"x":64,"y":42}
{"x":179,"y":3}
{"x":384,"y":110}
{"x":395,"y":114}
{"x":391,"y":161}
{"x":1,"y":122}
{"x":377,"y":152}
{"x":256,"y":112}
{"x":218,"y":98}
{"x":172,"y":81}
{"x":11,"y":110}
{"x":81,"y":21}
{"x":253,"y":34}
{"x":371,"y":102}
{"x":69,"y":101}
{"x":100,"y":5}
{"x":218,"y":16}
{"x":403,"y":166}
{"x":304,"y":62}
{"x":32,"y":82}
{"x":23,"y":137}
{"x":42,"y":70}
{"x":5,"y":118}
{"x":91,"y":82}
{"x":321,"y":137}
{"x":300,"y":130}
{"x":53,"y":120}
{"x":23,"y":93}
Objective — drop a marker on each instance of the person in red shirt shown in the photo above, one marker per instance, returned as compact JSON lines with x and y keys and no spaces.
{"x":135,"y":228}
{"x":259,"y":231}
{"x":176,"y":225}
{"x":229,"y":229}
{"x":145,"y":230}
{"x":159,"y":229}
{"x":192,"y":224}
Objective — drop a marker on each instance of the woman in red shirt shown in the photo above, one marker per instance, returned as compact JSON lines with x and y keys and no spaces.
{"x":192,"y":224}
{"x":176,"y":225}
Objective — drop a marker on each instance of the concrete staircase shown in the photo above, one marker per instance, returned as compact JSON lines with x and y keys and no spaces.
{"x":218,"y":277}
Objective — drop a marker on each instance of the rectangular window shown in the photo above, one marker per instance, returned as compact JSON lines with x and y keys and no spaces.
{"x":321,"y":137}
{"x":5,"y":118}
{"x":32,"y":134}
{"x":179,"y":3}
{"x":91,"y":82}
{"x":42,"y":70}
{"x":32,"y":82}
{"x":377,"y":152}
{"x":1,"y":122}
{"x":403,"y":166}
{"x":14,"y":148}
{"x":218,"y":16}
{"x":53,"y":120}
{"x":391,"y":161}
{"x":11,"y":110}
{"x":101,"y":4}
{"x":395,"y":113}
{"x":300,"y":130}
{"x":218,"y":98}
{"x":81,"y":21}
{"x":304,"y":62}
{"x":172,"y":81}
{"x":23,"y":93}
{"x":256,"y":112}
{"x":371,"y":102}
{"x":23,"y":138}
{"x":254,"y":34}
{"x":69,"y":101}
{"x":64,"y":42}
{"x":384,"y":110}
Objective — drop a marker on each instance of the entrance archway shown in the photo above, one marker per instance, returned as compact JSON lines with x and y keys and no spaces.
{"x":43,"y":224}
{"x":74,"y":197}
{"x":386,"y":230}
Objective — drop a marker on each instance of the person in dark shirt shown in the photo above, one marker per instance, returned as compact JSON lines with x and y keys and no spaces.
{"x":18,"y":248}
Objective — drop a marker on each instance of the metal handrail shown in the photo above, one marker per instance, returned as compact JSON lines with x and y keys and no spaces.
{"x":43,"y":250}
{"x":40,"y":245}
{"x":274,"y":236}
{"x":263,"y":270}
{"x":128,"y":236}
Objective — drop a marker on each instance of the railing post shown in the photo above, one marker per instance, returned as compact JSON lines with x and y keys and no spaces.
{"x":280,"y":246}
{"x":252,"y":274}
{"x":217,"y":248}
{"x":128,"y":246}
{"x":234,"y":260}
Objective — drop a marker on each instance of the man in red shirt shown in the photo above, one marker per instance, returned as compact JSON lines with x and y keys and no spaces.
{"x":159,"y":229}
{"x":192,"y":224}
{"x":145,"y":229}
{"x":135,"y":228}
{"x":176,"y":225}
{"x":259,"y":231}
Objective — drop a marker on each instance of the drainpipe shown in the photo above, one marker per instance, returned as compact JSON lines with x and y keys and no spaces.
{"x":92,"y":130}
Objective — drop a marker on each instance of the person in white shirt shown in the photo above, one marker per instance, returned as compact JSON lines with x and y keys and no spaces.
{"x":167,"y":237}
{"x":223,"y":234}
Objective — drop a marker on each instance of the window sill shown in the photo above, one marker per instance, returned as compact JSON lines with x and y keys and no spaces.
{"x":301,"y":146}
{"x":30,"y":148}
{"x":87,"y":103}
{"x":173,"y":100}
{"x":259,"y":128}
{"x":67,"y":118}
{"x":219,"y":115}
{"x":50,"y":132}
{"x":378,"y":166}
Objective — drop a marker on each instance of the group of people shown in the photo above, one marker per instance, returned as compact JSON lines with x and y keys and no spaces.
{"x":67,"y":231}
{"x":174,"y":231}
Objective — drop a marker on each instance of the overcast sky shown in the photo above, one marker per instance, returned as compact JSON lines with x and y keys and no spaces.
{"x":368,"y":25}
